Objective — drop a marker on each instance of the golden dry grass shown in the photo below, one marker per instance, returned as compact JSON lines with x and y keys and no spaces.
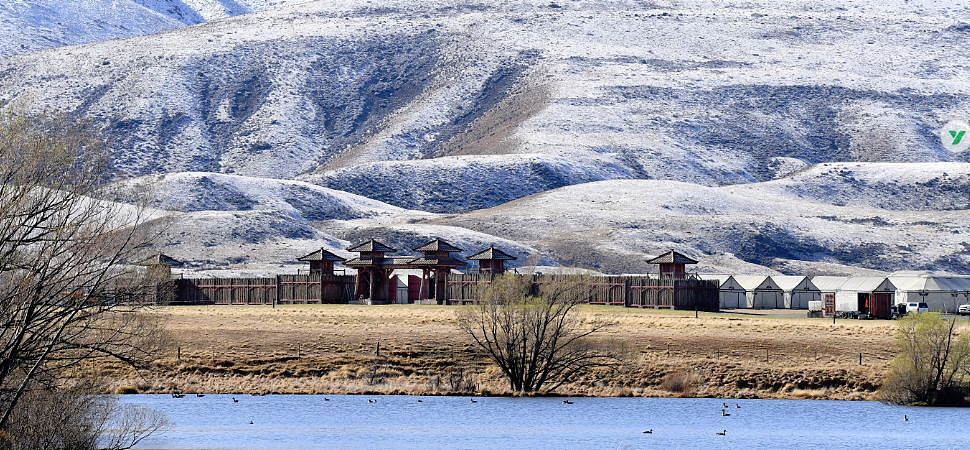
{"x":332,"y":349}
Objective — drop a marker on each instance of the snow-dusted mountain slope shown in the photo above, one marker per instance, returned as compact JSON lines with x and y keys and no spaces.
{"x":699,"y":91}
{"x":611,"y":225}
{"x":769,"y":135}
{"x":31,"y":25}
{"x":893,"y":186}
{"x":258,"y":225}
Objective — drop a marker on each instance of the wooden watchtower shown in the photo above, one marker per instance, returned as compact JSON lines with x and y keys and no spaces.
{"x":491,"y":260}
{"x":160,"y":266}
{"x":673,"y":264}
{"x":436,"y":263}
{"x":321,"y":261}
{"x":373,"y":269}
{"x":160,"y":289}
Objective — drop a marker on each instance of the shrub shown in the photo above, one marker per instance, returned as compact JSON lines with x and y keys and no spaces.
{"x":126,"y":390}
{"x":681,"y":382}
{"x":933,"y":363}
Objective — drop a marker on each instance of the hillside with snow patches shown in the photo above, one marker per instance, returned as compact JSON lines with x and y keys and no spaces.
{"x":31,"y":25}
{"x":787,"y":135}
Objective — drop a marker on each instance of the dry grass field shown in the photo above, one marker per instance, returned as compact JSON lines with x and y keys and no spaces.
{"x":333,"y":349}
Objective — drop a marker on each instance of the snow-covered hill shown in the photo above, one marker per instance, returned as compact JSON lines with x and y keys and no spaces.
{"x":613,"y":225}
{"x":893,"y":186}
{"x":771,"y":134}
{"x":464,"y":183}
{"x":260,"y":225}
{"x":31,"y":25}
{"x":701,"y":91}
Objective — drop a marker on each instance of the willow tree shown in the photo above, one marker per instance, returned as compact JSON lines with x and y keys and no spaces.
{"x":932,"y":365}
{"x":66,"y":286}
{"x":534,"y":333}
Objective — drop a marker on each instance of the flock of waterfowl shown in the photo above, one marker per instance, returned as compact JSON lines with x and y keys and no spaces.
{"x":724,"y":413}
{"x":724,"y":408}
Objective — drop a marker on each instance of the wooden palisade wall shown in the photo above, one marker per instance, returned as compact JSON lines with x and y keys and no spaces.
{"x":621,"y":290}
{"x":282,"y":289}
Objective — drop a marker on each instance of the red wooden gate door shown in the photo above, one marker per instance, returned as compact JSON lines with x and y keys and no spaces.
{"x":879,"y":305}
{"x":829,"y":304}
{"x":414,"y":288}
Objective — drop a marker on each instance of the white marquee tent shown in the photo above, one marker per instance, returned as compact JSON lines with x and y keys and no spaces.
{"x":761,"y":292}
{"x":730,"y":293}
{"x":941,"y":293}
{"x":798,"y":290}
{"x":856,"y":291}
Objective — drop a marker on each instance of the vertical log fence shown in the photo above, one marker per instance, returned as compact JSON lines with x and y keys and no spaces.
{"x":282,"y":289}
{"x":620,"y":290}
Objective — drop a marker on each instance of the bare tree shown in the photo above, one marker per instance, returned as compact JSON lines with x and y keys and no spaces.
{"x":77,"y":417}
{"x":533,"y":333}
{"x":66,"y":286}
{"x":933,"y":363}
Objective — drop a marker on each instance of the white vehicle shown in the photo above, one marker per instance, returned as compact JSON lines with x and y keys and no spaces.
{"x":914,"y":307}
{"x":964,"y":310}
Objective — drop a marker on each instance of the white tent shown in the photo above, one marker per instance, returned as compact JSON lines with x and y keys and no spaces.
{"x":761,"y":292}
{"x":798,"y":290}
{"x":854,"y":294}
{"x":941,"y":293}
{"x":730,"y":293}
{"x":828,"y":284}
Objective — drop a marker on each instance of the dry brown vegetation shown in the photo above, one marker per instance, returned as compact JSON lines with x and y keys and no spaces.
{"x":332,"y":349}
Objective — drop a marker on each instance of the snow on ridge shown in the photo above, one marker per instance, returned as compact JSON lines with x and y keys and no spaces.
{"x":755,"y":225}
{"x":469,"y":182}
{"x":31,"y":25}
{"x":893,"y":186}
{"x":746,"y":91}
{"x":262,"y":93}
{"x":201,"y":191}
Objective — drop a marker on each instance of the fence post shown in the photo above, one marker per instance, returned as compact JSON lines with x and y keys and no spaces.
{"x":279,"y":291}
{"x":766,"y":355}
{"x":860,"y":358}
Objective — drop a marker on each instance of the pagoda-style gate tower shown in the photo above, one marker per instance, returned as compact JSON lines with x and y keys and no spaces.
{"x":435,"y":263}
{"x":373,"y":269}
{"x":491,"y":261}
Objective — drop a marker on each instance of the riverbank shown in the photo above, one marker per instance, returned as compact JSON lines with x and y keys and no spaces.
{"x":332,"y":349}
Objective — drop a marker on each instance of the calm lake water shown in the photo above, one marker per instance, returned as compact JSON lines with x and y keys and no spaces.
{"x":308,"y":421}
